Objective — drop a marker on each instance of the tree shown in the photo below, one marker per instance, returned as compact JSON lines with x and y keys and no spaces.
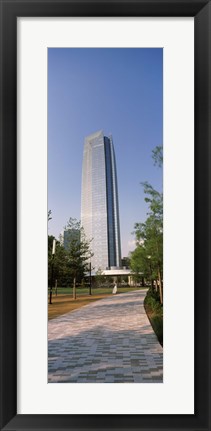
{"x":139,"y":263}
{"x":157,"y":155}
{"x":78,"y":252}
{"x":58,"y":261}
{"x":100,"y":279}
{"x":149,"y":235}
{"x":49,"y":215}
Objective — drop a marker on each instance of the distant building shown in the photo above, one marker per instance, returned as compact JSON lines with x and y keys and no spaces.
{"x":69,"y":235}
{"x":126,"y":262}
{"x":99,"y":201}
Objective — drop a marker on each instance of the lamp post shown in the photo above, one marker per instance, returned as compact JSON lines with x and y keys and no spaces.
{"x":52,"y":264}
{"x":150,"y":265}
{"x":90,"y":277}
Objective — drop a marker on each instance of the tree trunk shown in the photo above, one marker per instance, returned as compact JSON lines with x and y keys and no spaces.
{"x":160,"y":287}
{"x":74,"y":288}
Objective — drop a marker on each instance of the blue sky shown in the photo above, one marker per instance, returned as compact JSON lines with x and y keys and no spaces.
{"x":118,"y":90}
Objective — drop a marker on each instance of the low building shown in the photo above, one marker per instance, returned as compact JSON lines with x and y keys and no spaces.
{"x":118,"y":273}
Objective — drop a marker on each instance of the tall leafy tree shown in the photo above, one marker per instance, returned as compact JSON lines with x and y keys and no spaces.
{"x":149,"y":235}
{"x":78,"y":252}
{"x":138,"y":263}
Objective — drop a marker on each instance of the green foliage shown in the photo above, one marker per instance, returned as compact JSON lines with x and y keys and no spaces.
{"x":154,"y":304}
{"x":157,"y":155}
{"x":155,"y":201}
{"x":154,"y":310}
{"x":148,"y":255}
{"x":100,"y":279}
{"x":71,"y":263}
{"x":157,"y":324}
{"x":139,"y":262}
{"x":78,"y":251}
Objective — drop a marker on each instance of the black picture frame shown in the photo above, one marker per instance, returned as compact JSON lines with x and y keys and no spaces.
{"x":10,"y":10}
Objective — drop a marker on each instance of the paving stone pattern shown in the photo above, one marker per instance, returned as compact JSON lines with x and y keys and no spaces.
{"x":108,"y":341}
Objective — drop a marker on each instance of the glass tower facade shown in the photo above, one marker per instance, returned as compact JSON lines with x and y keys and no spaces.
{"x":99,"y":201}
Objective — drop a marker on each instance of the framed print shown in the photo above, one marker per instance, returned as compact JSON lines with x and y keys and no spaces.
{"x":153,"y":33}
{"x":33,"y":35}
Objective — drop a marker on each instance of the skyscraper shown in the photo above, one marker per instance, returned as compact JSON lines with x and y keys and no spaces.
{"x":99,"y":201}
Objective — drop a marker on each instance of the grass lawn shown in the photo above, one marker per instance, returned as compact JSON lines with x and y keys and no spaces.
{"x":64,"y":302}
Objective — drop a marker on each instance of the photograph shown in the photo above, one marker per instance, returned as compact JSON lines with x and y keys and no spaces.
{"x":105,"y":215}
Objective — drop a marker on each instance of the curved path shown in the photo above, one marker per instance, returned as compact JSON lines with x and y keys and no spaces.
{"x":108,"y":341}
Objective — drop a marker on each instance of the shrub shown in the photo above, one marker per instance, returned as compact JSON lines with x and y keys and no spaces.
{"x":154,"y":310}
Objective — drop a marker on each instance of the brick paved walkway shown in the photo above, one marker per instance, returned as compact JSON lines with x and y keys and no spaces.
{"x":109,"y":341}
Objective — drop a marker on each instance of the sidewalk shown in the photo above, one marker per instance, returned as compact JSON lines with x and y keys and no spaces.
{"x":108,"y":341}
